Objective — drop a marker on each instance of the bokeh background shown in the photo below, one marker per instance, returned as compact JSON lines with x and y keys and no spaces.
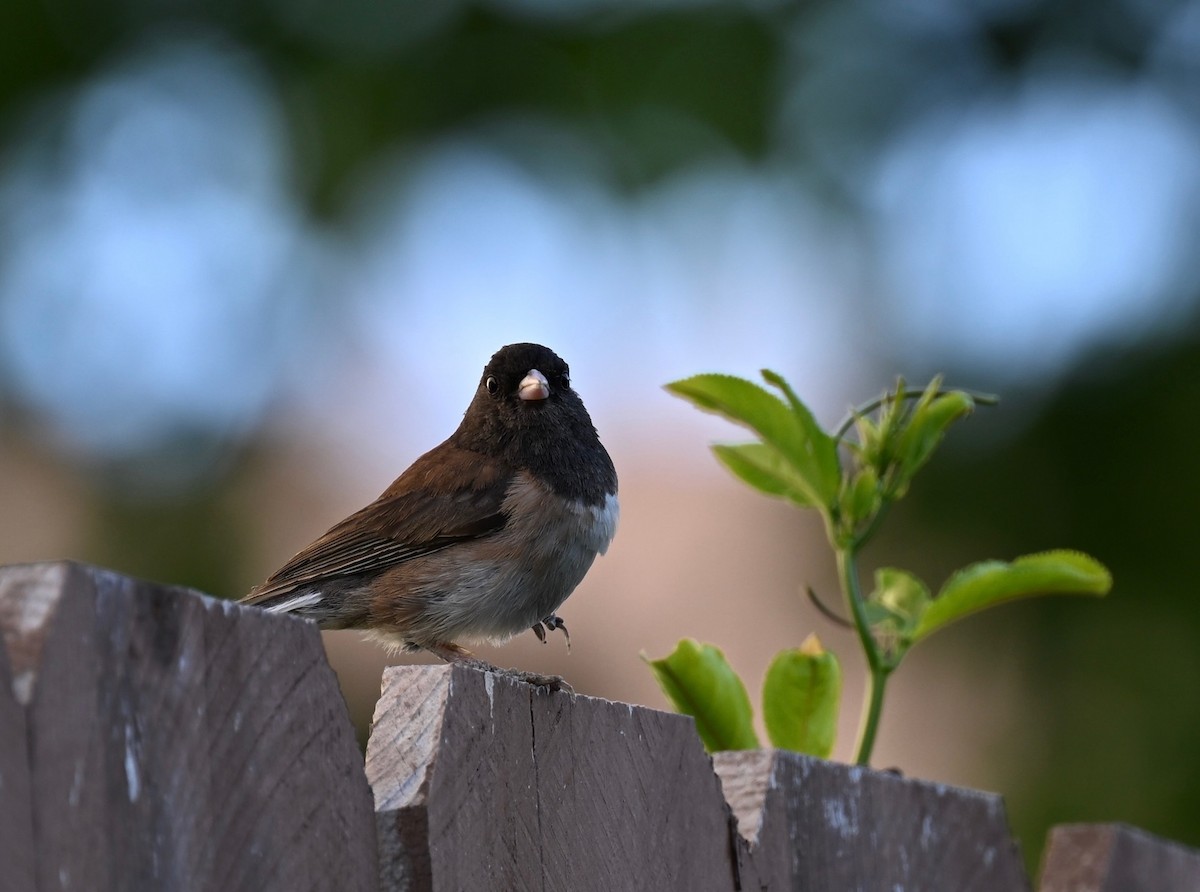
{"x":254,"y":254}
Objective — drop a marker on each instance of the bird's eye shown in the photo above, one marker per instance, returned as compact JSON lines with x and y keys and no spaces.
{"x":491,"y":384}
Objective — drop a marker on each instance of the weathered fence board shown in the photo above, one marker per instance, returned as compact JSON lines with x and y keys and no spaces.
{"x":177,"y":742}
{"x":549,"y":791}
{"x":521,"y":789}
{"x":1116,"y":858}
{"x":812,"y":823}
{"x":155,"y":739}
{"x":16,"y":803}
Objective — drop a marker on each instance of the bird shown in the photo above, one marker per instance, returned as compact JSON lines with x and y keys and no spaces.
{"x":481,"y":538}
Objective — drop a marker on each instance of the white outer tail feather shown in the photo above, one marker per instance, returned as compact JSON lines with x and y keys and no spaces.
{"x":295,"y":603}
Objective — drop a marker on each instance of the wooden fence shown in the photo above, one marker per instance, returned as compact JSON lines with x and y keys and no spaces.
{"x":153,"y":738}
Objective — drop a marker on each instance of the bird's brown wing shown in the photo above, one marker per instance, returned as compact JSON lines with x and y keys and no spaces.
{"x":447,"y":496}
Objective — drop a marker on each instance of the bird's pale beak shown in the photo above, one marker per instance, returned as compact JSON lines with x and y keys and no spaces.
{"x":533,"y":386}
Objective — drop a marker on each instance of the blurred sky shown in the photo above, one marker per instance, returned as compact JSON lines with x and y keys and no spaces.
{"x":253,"y":258}
{"x":162,"y":277}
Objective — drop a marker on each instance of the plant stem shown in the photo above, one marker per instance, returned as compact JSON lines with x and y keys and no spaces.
{"x":876,"y":667}
{"x":868,"y":725}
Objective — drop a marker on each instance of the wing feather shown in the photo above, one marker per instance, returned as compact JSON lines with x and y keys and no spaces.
{"x":447,"y":496}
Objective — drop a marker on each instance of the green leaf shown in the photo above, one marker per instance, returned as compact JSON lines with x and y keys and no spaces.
{"x":805,"y":446}
{"x":824,"y":446}
{"x":699,"y":682}
{"x":892,"y":415}
{"x":868,"y":436}
{"x":925,"y":428}
{"x":862,"y":498}
{"x":765,"y":469}
{"x":994,"y":582}
{"x":895,"y":608}
{"x":801,"y":694}
{"x":903,"y":595}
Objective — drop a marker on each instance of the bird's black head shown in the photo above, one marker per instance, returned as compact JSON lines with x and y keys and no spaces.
{"x":525,"y":411}
{"x":525,"y":388}
{"x":531,"y":364}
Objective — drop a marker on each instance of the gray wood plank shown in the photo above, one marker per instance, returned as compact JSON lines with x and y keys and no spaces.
{"x":823,"y":825}
{"x":16,"y":803}
{"x":179,"y":742}
{"x":643,"y":777}
{"x":1116,"y":858}
{"x":152,"y":738}
{"x":528,"y":790}
{"x":452,"y":748}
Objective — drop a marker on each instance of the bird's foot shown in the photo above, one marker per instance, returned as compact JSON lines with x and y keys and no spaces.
{"x":549,"y":624}
{"x":451,"y":653}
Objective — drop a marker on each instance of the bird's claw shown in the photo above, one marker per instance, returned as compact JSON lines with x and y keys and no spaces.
{"x":550,"y":624}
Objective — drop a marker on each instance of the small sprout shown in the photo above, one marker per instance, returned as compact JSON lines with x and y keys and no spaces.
{"x":796,"y":460}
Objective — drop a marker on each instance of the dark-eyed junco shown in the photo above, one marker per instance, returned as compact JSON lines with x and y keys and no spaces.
{"x":484,"y":536}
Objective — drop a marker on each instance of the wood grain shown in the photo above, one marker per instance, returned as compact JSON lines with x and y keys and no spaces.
{"x":1116,"y":858}
{"x":16,"y":802}
{"x":155,"y":739}
{"x":521,"y":789}
{"x":178,"y":742}
{"x":824,"y":825}
{"x":524,"y":789}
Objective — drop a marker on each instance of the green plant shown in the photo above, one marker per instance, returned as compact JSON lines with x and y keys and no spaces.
{"x":851,"y":481}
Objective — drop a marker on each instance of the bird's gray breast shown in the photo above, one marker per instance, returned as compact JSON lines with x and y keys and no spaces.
{"x":524,"y":572}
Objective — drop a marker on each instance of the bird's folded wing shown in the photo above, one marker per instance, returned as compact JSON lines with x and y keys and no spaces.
{"x":416,"y":516}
